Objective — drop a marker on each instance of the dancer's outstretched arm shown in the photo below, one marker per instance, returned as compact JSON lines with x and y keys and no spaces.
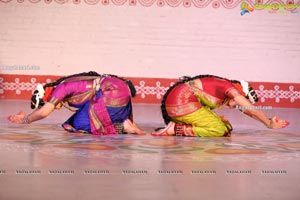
{"x":36,"y":115}
{"x":248,"y":108}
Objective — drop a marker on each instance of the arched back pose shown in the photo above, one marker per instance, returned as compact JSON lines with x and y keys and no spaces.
{"x":102,"y":103}
{"x":187,"y":106}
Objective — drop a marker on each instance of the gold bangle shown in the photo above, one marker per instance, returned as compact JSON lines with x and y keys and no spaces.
{"x":26,"y":120}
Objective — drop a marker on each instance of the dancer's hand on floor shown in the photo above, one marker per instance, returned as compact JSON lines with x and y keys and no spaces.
{"x":132,"y":128}
{"x":276,"y":123}
{"x":18,"y":118}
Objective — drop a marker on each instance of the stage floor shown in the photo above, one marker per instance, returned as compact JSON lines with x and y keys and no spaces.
{"x":42,"y":161}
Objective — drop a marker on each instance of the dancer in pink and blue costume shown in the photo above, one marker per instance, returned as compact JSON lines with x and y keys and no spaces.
{"x":102,"y":104}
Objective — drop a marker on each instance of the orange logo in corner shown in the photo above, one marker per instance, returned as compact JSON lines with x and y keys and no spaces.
{"x":246,"y":8}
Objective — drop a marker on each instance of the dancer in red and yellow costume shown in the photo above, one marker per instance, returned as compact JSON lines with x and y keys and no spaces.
{"x":187,"y":106}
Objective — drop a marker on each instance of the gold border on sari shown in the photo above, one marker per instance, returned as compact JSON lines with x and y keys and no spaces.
{"x":181,"y":110}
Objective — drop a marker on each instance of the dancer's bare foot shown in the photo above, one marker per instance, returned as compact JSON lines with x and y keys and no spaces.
{"x":132,"y":128}
{"x":168,"y":131}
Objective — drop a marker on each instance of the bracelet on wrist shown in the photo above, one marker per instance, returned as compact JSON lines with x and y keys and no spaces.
{"x":271,"y":125}
{"x":26,"y":120}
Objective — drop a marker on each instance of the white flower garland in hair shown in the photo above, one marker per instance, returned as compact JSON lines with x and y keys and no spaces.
{"x":245,"y":86}
{"x":40,"y":94}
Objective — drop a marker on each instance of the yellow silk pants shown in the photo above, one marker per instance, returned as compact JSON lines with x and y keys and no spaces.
{"x":206,"y":123}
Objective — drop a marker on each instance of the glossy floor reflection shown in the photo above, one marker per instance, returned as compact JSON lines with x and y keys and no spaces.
{"x":42,"y":161}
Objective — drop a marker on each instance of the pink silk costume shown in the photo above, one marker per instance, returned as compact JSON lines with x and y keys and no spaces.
{"x":192,"y":103}
{"x":96,"y":94}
